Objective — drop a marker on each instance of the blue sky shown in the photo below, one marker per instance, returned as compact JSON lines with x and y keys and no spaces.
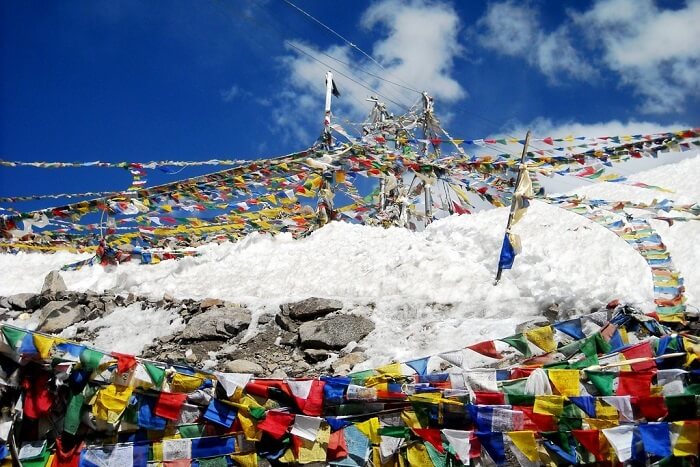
{"x":191,"y":80}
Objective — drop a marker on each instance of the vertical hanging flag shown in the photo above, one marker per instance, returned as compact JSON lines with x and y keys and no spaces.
{"x":522,"y":193}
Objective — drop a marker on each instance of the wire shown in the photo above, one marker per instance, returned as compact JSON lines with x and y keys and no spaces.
{"x":364,"y":85}
{"x":351,"y":44}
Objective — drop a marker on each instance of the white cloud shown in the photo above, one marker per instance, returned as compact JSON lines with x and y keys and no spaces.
{"x":653,"y":50}
{"x":515,"y":29}
{"x":543,"y":127}
{"x":419,"y":42}
{"x":231,"y":93}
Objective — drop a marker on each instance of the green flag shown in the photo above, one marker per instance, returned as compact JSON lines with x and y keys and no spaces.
{"x":602,"y":380}
{"x":156,"y":373}
{"x":519,"y":343}
{"x":13,"y":336}
{"x":90,"y":359}
{"x":71,"y":422}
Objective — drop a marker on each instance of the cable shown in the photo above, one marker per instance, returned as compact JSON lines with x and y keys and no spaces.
{"x":365,"y":85}
{"x":351,"y":44}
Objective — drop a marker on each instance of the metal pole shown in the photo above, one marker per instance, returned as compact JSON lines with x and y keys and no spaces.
{"x":427,"y":108}
{"x":513,"y":204}
{"x":327,"y":117}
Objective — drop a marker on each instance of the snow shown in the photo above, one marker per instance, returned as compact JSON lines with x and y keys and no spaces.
{"x":427,"y":292}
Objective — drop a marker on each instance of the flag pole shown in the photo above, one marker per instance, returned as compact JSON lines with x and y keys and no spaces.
{"x":513,"y":204}
{"x":327,"y":117}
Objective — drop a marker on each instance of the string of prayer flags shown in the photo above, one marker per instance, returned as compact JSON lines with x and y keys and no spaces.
{"x":180,"y":416}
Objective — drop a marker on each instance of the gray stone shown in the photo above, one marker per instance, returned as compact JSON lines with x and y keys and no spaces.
{"x":217,"y":324}
{"x":349,"y":360}
{"x":279,"y":373}
{"x":53,"y":283}
{"x":311,"y":308}
{"x":285,"y":322}
{"x":243,"y":366}
{"x":290,"y":339}
{"x":56,"y":316}
{"x":334,"y":333}
{"x":210,"y":302}
{"x":20,"y":301}
{"x":316,"y":355}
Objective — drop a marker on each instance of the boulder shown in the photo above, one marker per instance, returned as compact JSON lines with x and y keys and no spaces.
{"x":349,"y":360}
{"x":334,"y":333}
{"x":216,"y":324}
{"x":243,"y":366}
{"x":210,"y":302}
{"x":311,"y":308}
{"x":285,"y":322}
{"x":20,"y":301}
{"x":53,"y":283}
{"x":56,"y":316}
{"x":316,"y":355}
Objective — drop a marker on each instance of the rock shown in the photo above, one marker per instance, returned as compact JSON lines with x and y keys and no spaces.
{"x":285,"y":322}
{"x":20,"y":301}
{"x":342,"y":370}
{"x":290,"y":339}
{"x":312,"y":308}
{"x":243,"y":366}
{"x":4,"y":303}
{"x":334,"y":333}
{"x":316,"y":355}
{"x":349,"y":360}
{"x":217,"y":324}
{"x":53,"y":283}
{"x":56,"y":316}
{"x":39,"y":301}
{"x":531,"y":324}
{"x":279,"y":373}
{"x":210,"y":302}
{"x":168,"y":298}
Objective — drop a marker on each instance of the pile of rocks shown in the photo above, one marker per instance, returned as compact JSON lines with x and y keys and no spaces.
{"x":308,"y":337}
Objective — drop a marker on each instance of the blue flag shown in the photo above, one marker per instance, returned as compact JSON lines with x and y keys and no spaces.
{"x":656,"y":438}
{"x":507,"y":254}
{"x":420,"y":365}
{"x":571,"y":327}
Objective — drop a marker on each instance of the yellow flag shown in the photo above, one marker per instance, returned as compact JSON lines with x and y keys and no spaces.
{"x":566,"y":381}
{"x":418,"y":456}
{"x":185,"y":383}
{"x":250,"y":430}
{"x":543,"y":338}
{"x":392,"y":369}
{"x":370,"y":428}
{"x":525,"y":441}
{"x":339,"y":176}
{"x":410,"y":419}
{"x":249,"y":459}
{"x":44,"y":345}
{"x":688,"y":438}
{"x":606,"y":411}
{"x":315,"y":451}
{"x":110,"y":402}
{"x":549,"y":405}
{"x":599,"y":423}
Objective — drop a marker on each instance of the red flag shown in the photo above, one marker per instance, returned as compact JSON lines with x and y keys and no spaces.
{"x":337,"y":447}
{"x":276,"y":423}
{"x":641,"y":350}
{"x":535,"y":421}
{"x":490,"y":398}
{"x":474,"y":446}
{"x":67,"y":456}
{"x":170,"y":404}
{"x":124,"y":362}
{"x":37,"y":398}
{"x":431,"y":435}
{"x":589,"y":439}
{"x":635,"y":383}
{"x":651,"y":408}
{"x":487,"y":348}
